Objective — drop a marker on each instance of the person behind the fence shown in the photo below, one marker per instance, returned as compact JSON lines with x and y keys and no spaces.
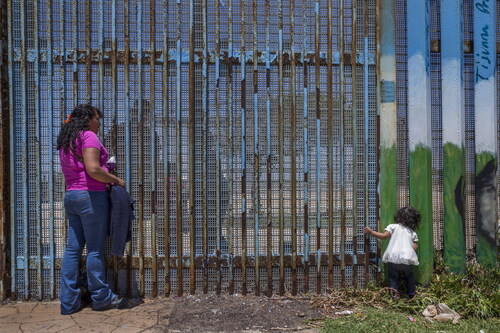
{"x":400,"y":254}
{"x":83,"y":162}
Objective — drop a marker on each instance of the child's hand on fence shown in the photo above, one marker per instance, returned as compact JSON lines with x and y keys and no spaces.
{"x":368,"y":230}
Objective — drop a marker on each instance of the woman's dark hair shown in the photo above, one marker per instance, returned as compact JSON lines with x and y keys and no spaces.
{"x":408,"y":216}
{"x":77,"y":122}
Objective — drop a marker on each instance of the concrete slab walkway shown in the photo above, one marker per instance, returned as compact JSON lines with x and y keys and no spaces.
{"x":152,"y":316}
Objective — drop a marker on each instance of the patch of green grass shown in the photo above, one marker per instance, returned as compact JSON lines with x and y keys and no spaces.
{"x":473,"y":294}
{"x":373,"y":320}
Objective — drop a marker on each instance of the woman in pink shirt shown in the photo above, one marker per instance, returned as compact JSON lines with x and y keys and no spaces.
{"x":83,"y":162}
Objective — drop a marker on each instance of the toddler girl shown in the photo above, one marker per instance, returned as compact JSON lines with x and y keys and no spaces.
{"x":400,"y":254}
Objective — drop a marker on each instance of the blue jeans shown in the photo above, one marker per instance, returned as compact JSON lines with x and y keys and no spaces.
{"x":395,"y":270}
{"x":88,"y":217}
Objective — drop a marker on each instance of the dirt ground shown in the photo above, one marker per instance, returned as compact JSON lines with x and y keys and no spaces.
{"x":187,"y":314}
{"x":211,"y":313}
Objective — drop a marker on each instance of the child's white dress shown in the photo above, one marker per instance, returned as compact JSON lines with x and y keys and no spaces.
{"x":400,"y":249}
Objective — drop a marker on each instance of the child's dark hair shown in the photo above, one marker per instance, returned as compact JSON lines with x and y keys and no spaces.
{"x":408,"y":216}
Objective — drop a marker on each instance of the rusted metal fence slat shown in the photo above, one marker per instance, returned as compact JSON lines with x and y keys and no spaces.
{"x":128,"y":150}
{"x":152,"y":133}
{"x":218,"y":239}
{"x":205,"y":103}
{"x":331,"y":190}
{"x":317,"y":73}
{"x":293,"y":154}
{"x":140,"y":133}
{"x":50,"y":106}
{"x":281,"y":136}
{"x":88,"y":64}
{"x":14,"y":266}
{"x":114,"y":139}
{"x":256,"y":184}
{"x":178,"y":149}
{"x":243,"y":150}
{"x":62,"y":63}
{"x":74,"y":31}
{"x":230,"y":144}
{"x":305,"y":113}
{"x":366,"y":156}
{"x":342,"y":150}
{"x":37,"y":153}
{"x":269,"y":220}
{"x":191,"y":130}
{"x":354,"y":141}
{"x":166,"y":149}
{"x":24,"y":151}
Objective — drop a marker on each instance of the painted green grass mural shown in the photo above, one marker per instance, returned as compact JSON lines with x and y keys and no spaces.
{"x":421,"y":199}
{"x":453,"y":183}
{"x":388,"y":188}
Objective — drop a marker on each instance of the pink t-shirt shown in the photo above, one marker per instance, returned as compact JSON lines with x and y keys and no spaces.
{"x":74,"y":171}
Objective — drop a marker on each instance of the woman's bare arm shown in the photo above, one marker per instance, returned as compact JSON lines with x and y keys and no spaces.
{"x":94,"y":169}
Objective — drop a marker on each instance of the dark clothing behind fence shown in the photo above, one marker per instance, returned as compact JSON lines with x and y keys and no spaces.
{"x":121,"y":214}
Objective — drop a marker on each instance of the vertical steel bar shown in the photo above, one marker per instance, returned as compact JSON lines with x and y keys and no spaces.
{"x":128,"y":151}
{"x":355,"y":146}
{"x":24,"y":151}
{"x":205,"y":146}
{"x":317,"y":63}
{"x":101,"y":71}
{"x":178,"y":150}
{"x":453,"y":111}
{"x":243,"y":151}
{"x":293,"y":154}
{"x":166,"y":149}
{"x":88,"y":60}
{"x":366,"y":188}
{"x":152,"y":133}
{"x":114,"y":111}
{"x":191,"y":128}
{"x":140,"y":133}
{"x":217,"y":152}
{"x":74,"y":30}
{"x":63,"y":60}
{"x":305,"y":116}
{"x":12,"y":146}
{"x":256,"y":187}
{"x":329,"y":82}
{"x":4,"y":169}
{"x":281,"y":216}
{"x":269,"y":219}
{"x":50,"y":107}
{"x":38,"y":138}
{"x":114,"y":74}
{"x":386,"y":72}
{"x":419,"y":130}
{"x":342,"y":150}
{"x":486,"y":123}
{"x":230,"y":144}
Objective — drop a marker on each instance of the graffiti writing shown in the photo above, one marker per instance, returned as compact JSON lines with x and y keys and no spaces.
{"x":483,"y":6}
{"x":483,"y":55}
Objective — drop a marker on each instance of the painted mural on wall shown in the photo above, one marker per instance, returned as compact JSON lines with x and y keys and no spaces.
{"x":486,"y":207}
{"x":485,"y":122}
{"x":454,"y":182}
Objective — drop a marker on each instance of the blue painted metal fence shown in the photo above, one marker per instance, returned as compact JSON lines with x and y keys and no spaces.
{"x":243,"y":129}
{"x":249,"y":134}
